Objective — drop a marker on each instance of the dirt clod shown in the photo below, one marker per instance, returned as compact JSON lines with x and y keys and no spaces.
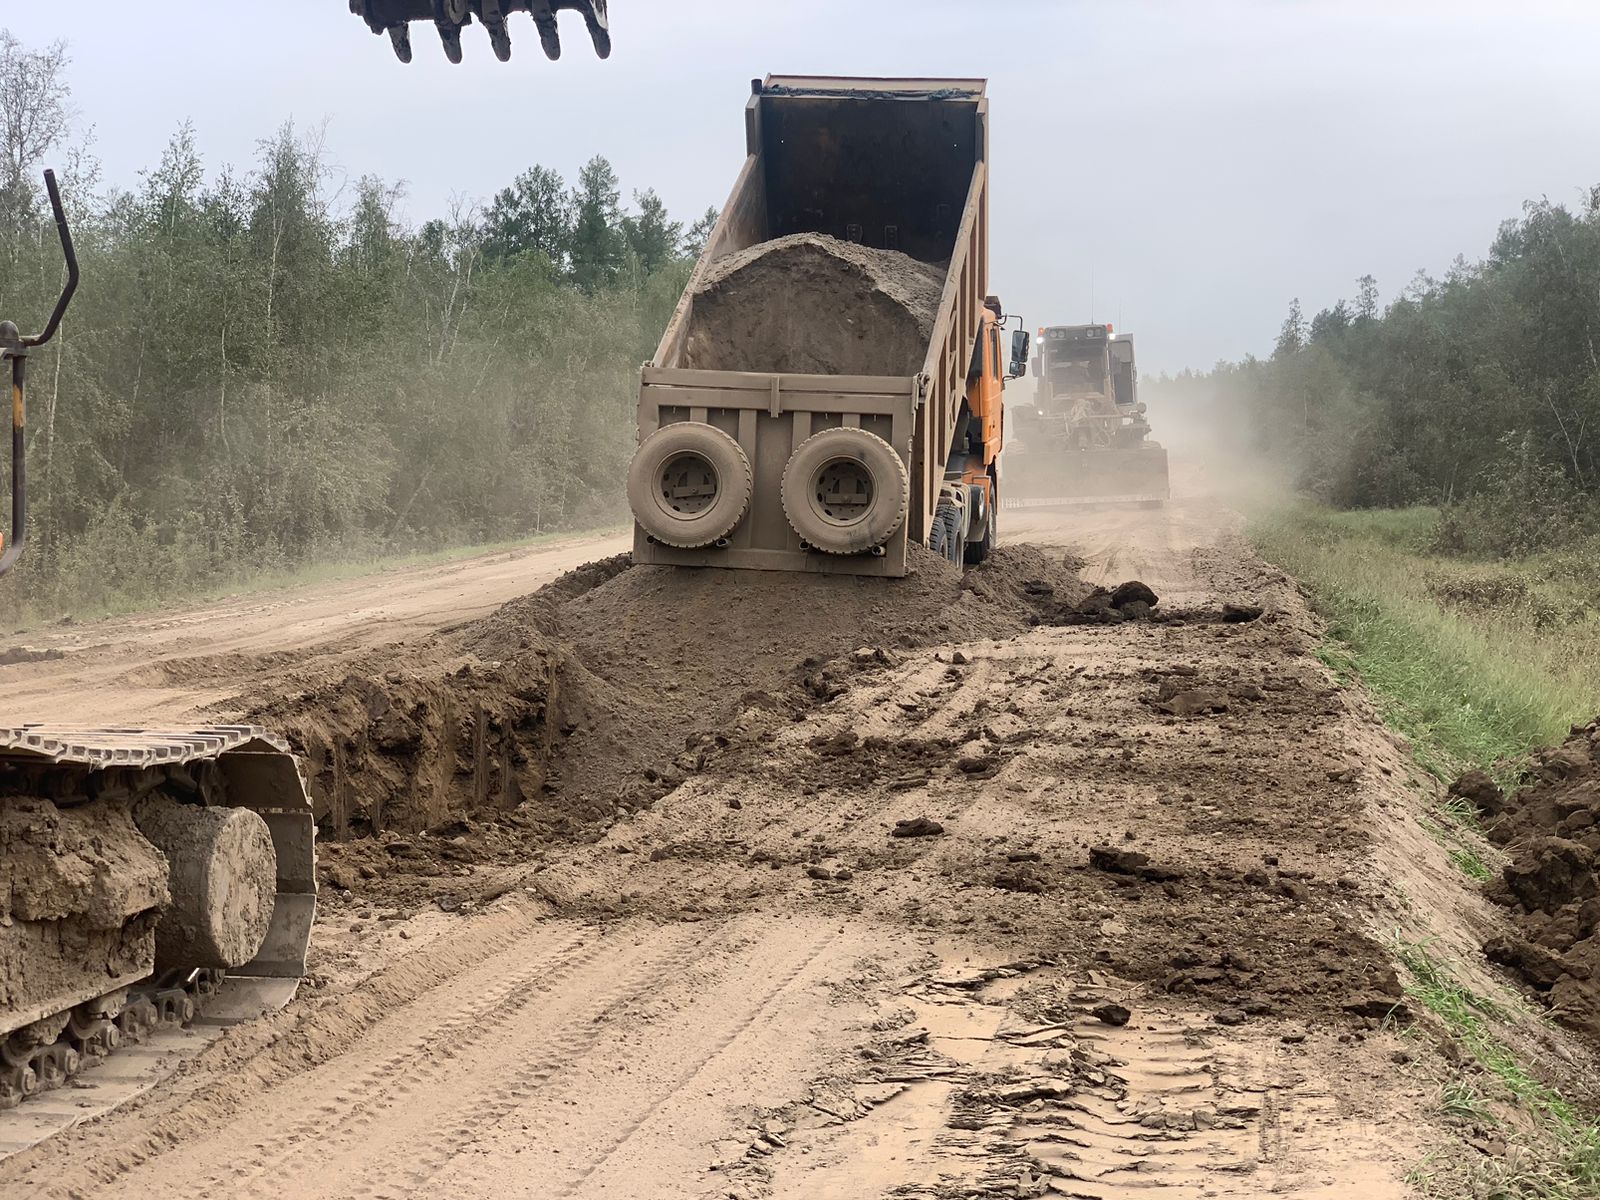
{"x":1480,"y":789}
{"x":1133,"y":591}
{"x":1551,"y":885}
{"x":913,"y":827}
{"x":1111,"y":1014}
{"x":1239,"y":614}
{"x":1130,"y":862}
{"x":1193,"y":702}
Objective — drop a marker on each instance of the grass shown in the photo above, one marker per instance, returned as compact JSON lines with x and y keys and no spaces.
{"x":310,"y":574}
{"x":1477,"y":662}
{"x":1552,"y":1147}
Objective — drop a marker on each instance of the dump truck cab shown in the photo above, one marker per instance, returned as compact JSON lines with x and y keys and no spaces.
{"x":972,"y":472}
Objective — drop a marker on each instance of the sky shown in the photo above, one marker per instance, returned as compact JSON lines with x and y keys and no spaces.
{"x":1181,"y":169}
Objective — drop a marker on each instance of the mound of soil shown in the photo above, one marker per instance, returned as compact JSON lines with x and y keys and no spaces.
{"x":601,"y":691}
{"x":665,"y":661}
{"x":1551,"y":828}
{"x":811,"y":304}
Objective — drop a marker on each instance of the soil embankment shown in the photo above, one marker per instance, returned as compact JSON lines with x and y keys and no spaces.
{"x":598,"y":693}
{"x":1550,"y":828}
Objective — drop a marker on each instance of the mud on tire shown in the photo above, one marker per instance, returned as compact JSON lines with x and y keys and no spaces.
{"x":689,"y":484}
{"x":845,"y":491}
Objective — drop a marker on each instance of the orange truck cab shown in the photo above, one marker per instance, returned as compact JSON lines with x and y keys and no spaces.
{"x":972,"y":475}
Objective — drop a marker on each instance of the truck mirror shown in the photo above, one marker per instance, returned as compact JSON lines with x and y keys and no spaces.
{"x":1019,"y":353}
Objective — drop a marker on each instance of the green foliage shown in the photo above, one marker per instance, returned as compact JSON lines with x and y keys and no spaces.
{"x":1478,"y":392}
{"x":700,"y":233}
{"x":1526,"y":506}
{"x":1476,"y":664}
{"x":255,"y":376}
{"x":532,"y":216}
{"x":598,"y":237}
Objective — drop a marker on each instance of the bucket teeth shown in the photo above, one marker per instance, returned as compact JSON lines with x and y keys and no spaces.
{"x":494,"y":20}
{"x":450,"y":35}
{"x":400,"y":38}
{"x":394,"y":17}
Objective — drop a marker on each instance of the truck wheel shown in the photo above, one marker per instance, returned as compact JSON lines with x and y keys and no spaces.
{"x":845,"y":491}
{"x":689,"y":484}
{"x":978,"y":551}
{"x":947,"y":519}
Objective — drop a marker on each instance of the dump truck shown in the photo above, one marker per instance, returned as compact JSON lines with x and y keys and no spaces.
{"x":1084,"y":437}
{"x":829,"y":388}
{"x":143,"y":873}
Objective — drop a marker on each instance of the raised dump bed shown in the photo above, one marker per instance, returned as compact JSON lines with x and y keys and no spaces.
{"x":828,"y":389}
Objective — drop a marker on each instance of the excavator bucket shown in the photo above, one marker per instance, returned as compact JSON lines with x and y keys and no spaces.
{"x":450,"y":17}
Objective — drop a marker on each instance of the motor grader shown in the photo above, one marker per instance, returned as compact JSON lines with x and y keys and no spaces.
{"x":147,"y":873}
{"x":1084,"y":437}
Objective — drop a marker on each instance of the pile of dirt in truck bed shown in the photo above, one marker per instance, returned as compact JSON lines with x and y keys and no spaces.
{"x":811,"y":304}
{"x":1551,"y":829}
{"x":601,"y":691}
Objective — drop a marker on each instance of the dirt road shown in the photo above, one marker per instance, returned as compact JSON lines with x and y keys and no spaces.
{"x":1133,"y":942}
{"x":164,"y":666}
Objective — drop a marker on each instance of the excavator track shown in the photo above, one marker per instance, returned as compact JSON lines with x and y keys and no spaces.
{"x":137,"y":868}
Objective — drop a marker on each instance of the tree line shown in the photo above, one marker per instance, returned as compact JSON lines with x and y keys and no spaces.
{"x":264,"y":368}
{"x":1478,"y":391}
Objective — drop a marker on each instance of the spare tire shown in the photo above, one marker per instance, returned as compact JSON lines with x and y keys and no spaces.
{"x":845,"y":491}
{"x":689,"y":484}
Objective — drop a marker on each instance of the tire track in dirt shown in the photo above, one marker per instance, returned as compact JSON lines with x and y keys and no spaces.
{"x":485,"y":1087}
{"x":346,"y":1095}
{"x":231,"y":1075}
{"x":761,"y":1005}
{"x":1171,"y":1106}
